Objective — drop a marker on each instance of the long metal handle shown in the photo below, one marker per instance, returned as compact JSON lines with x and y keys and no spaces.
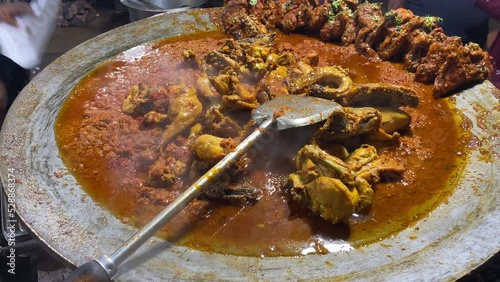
{"x":111,"y":263}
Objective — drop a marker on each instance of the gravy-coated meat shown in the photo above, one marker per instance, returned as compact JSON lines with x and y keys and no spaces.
{"x":397,"y":36}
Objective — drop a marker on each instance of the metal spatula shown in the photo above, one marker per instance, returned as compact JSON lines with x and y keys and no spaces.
{"x":284,"y":112}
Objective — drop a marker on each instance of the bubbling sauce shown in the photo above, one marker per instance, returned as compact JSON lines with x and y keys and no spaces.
{"x":91,"y":125}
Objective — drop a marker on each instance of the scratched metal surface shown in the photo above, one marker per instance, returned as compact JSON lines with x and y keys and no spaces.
{"x":454,"y":239}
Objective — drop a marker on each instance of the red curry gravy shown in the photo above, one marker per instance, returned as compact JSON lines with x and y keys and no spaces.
{"x":430,"y":152}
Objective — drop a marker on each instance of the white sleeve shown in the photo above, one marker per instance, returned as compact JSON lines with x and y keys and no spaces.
{"x":26,"y":43}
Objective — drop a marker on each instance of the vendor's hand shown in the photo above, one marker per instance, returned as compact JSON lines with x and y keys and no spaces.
{"x":9,"y":12}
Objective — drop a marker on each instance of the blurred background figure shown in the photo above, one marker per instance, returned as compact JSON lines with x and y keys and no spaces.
{"x":460,"y":17}
{"x":13,"y":78}
{"x":492,"y":7}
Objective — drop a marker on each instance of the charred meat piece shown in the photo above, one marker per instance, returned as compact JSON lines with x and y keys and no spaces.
{"x":400,"y":28}
{"x":293,"y":14}
{"x":420,"y":43}
{"x":235,"y":95}
{"x":252,"y":26}
{"x":340,"y":27}
{"x":459,"y":69}
{"x":324,"y":184}
{"x":318,"y":16}
{"x":143,"y":98}
{"x":368,"y":20}
{"x":429,"y":67}
{"x":265,"y":11}
{"x":234,"y":11}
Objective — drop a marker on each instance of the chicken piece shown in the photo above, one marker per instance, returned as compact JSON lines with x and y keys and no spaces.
{"x":212,"y":149}
{"x":349,"y":122}
{"x":143,"y":98}
{"x":137,"y":97}
{"x":394,"y":120}
{"x":192,"y":59}
{"x":368,"y":169}
{"x":221,"y":123}
{"x":218,"y":61}
{"x":320,"y":184}
{"x":326,"y":185}
{"x":169,"y":169}
{"x":328,"y":197}
{"x":398,"y":32}
{"x":204,"y":87}
{"x":274,"y":60}
{"x":245,"y":56}
{"x":183,"y":112}
{"x":334,"y":188}
{"x":380,"y":95}
{"x":235,"y":95}
{"x":226,"y":188}
{"x":153,"y":117}
{"x":361,"y":157}
{"x":331,"y":82}
{"x":375,"y":126}
{"x":273,"y":85}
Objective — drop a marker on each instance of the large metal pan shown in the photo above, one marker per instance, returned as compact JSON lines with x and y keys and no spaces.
{"x":454,"y":239}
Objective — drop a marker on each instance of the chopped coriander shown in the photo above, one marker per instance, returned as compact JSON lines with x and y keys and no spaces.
{"x":336,"y":5}
{"x":253,"y":2}
{"x":390,"y":14}
{"x":398,"y":21}
{"x":430,"y":21}
{"x":331,"y":16}
{"x":474,"y":46}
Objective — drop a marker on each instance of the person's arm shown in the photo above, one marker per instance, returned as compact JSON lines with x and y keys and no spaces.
{"x":395,"y":4}
{"x":492,"y":7}
{"x":9,"y":12}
